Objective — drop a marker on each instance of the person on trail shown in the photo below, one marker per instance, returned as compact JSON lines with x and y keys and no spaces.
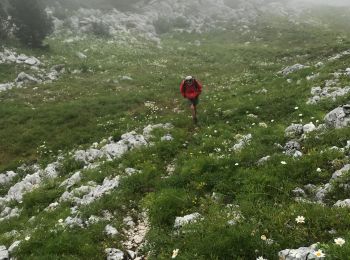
{"x":191,"y":88}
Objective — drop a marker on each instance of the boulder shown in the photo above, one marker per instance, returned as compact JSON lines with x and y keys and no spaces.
{"x":32,"y":61}
{"x":7,"y":177}
{"x":310,"y":127}
{"x":339,"y":117}
{"x":343,"y":203}
{"x":292,"y":147}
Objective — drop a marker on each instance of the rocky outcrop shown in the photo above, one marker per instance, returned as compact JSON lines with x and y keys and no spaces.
{"x":191,"y":218}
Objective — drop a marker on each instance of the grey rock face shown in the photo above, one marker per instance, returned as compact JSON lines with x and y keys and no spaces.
{"x":339,"y":117}
{"x":308,"y":128}
{"x":73,"y":222}
{"x":191,"y":218}
{"x":74,"y":179}
{"x":114,"y":254}
{"x":6,"y":86}
{"x":341,"y":172}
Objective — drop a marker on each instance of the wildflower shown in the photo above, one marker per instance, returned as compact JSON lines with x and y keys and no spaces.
{"x":237,"y":164}
{"x":318,"y":170}
{"x":60,"y":220}
{"x":283,"y":162}
{"x":269,"y":241}
{"x":272,"y":120}
{"x":261,"y":258}
{"x":300,"y":114}
{"x":339,"y":241}
{"x":27,"y":238}
{"x":300,"y":219}
{"x":319,"y":253}
{"x":175,"y":252}
{"x":263,"y":237}
{"x":296,"y":108}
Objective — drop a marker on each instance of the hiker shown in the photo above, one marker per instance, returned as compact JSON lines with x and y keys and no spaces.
{"x":191,"y":89}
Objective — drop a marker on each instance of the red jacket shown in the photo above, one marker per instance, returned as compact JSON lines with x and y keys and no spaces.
{"x":191,"y":91}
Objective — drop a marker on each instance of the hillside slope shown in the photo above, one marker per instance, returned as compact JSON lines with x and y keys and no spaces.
{"x":99,"y":157}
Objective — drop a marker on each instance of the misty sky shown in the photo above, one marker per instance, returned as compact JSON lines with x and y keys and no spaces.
{"x":328,"y":2}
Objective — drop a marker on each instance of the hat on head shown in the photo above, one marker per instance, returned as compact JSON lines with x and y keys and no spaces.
{"x":188,"y":78}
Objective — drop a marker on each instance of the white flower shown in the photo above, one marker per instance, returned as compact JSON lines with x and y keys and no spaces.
{"x":318,"y":170}
{"x":262,"y":124}
{"x":300,"y":114}
{"x":27,"y":238}
{"x":175,"y":252}
{"x":269,"y":241}
{"x":263,"y":237}
{"x":300,"y":219}
{"x":237,"y":164}
{"x":261,"y":258}
{"x":339,"y":241}
{"x":319,"y":253}
{"x":60,"y":220}
{"x":272,"y":120}
{"x":296,"y":108}
{"x":283,"y":162}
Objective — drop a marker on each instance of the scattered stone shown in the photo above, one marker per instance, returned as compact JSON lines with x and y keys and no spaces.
{"x":191,"y":218}
{"x":7,"y":177}
{"x":131,"y":171}
{"x":6,"y":86}
{"x":292,"y":148}
{"x":302,"y":253}
{"x":332,"y":93}
{"x":339,"y":117}
{"x":294,"y":131}
{"x":299,"y":192}
{"x":111,"y":231}
{"x":167,"y":138}
{"x":32,"y":61}
{"x":336,"y":175}
{"x":8,"y":213}
{"x":73,"y":222}
{"x":292,"y":69}
{"x":343,"y":203}
{"x":319,"y":64}
{"x":25,"y":78}
{"x":308,"y":128}
{"x":242,"y":142}
{"x":126,"y":78}
{"x":80,"y":55}
{"x":264,"y":160}
{"x":312,"y":77}
{"x":74,"y":179}
{"x":114,"y":254}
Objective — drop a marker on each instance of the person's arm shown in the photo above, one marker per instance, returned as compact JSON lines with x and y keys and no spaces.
{"x":182,"y":89}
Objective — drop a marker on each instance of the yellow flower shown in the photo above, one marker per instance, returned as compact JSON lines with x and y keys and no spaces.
{"x":263,"y":237}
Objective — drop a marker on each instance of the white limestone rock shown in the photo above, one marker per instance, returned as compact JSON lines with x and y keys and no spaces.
{"x":114,"y":254}
{"x":191,"y":218}
{"x":7,"y":177}
{"x":339,"y":117}
{"x":111,"y":231}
